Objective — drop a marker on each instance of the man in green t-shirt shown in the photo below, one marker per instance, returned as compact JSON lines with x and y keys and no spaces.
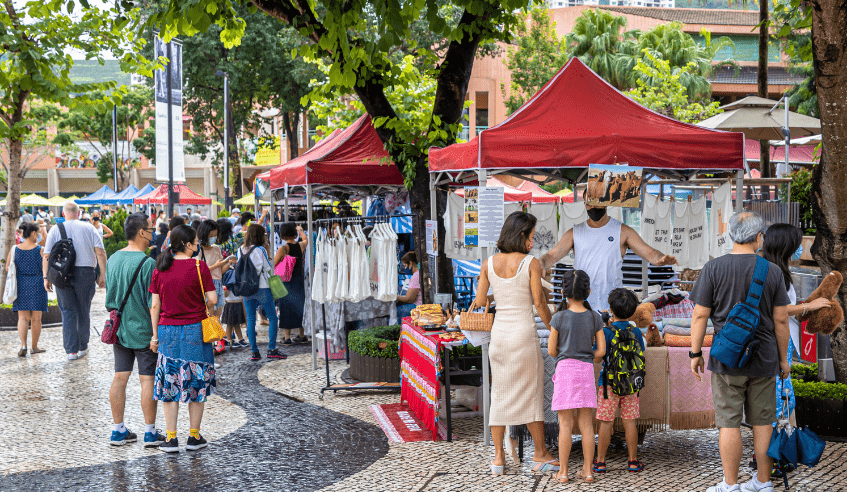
{"x":135,"y":330}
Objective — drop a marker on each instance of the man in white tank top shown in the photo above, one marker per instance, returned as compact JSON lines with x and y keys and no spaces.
{"x":599,"y":245}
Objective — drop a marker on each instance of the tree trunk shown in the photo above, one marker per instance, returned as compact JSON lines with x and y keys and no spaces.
{"x":13,"y":199}
{"x":291,"y":134}
{"x":829,"y":201}
{"x":764,"y":149}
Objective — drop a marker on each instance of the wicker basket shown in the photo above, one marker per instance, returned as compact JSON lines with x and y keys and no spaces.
{"x":477,"y":321}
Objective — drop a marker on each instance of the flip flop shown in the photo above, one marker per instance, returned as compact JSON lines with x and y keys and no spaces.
{"x":564,"y":479}
{"x":586,"y":478}
{"x":545,"y":466}
{"x":38,"y":351}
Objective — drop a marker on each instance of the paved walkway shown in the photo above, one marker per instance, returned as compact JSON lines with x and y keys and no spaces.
{"x":269,"y":431}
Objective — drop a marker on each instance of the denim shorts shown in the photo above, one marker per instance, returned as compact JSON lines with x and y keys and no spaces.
{"x":219,"y":290}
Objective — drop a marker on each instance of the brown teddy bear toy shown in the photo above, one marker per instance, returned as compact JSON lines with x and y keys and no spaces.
{"x":654,"y":338}
{"x":825,"y":320}
{"x":643,"y":315}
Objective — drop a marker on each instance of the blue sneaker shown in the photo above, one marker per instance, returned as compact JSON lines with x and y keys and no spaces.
{"x":121,"y":438}
{"x":153,"y":439}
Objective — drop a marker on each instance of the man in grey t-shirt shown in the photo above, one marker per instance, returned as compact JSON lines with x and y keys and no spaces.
{"x":75,"y":300}
{"x":723,"y":283}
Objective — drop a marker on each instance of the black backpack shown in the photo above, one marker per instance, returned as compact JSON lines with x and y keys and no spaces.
{"x":246,"y":276}
{"x":62,"y":261}
{"x":624,"y":370}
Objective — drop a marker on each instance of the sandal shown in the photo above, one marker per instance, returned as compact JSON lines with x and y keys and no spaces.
{"x":38,"y":351}
{"x":586,"y":478}
{"x":561,"y":479}
{"x":599,"y":466}
{"x":22,"y":352}
{"x":635,"y":466}
{"x":546,"y":466}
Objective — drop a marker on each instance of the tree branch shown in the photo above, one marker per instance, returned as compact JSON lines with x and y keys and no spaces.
{"x":296,"y":13}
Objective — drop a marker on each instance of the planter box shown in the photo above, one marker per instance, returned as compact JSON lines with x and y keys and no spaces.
{"x":9,"y":318}
{"x":825,"y":417}
{"x":374,"y":370}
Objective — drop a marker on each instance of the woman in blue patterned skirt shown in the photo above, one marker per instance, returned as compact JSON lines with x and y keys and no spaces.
{"x":291,"y":306}
{"x":183,"y":294}
{"x":32,"y":298}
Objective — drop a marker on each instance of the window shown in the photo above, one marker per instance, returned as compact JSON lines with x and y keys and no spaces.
{"x":481,"y":103}
{"x":186,"y":131}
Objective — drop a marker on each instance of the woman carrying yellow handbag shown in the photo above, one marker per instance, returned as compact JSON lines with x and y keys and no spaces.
{"x":183,"y":295}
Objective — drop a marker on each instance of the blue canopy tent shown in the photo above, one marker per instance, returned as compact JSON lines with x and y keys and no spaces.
{"x":104,"y":195}
{"x":128,"y":199}
{"x":119,"y":199}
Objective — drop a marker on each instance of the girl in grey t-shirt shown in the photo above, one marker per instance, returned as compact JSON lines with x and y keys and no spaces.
{"x":576,"y":328}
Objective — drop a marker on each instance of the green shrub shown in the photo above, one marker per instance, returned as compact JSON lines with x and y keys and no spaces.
{"x":118,"y":241}
{"x":801,"y":192}
{"x":820,"y":390}
{"x":50,"y":302}
{"x":223,"y":214}
{"x":380,"y":342}
{"x":804,"y":370}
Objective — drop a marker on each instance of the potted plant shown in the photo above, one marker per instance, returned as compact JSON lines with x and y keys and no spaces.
{"x":374,"y":354}
{"x":9,"y":318}
{"x":820,"y":406}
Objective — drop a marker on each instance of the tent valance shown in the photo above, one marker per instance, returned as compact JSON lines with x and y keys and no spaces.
{"x":104,"y":195}
{"x":578,"y":119}
{"x":160,"y":195}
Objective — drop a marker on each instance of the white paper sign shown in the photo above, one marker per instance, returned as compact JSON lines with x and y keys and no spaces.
{"x":491,"y":201}
{"x":432,"y":238}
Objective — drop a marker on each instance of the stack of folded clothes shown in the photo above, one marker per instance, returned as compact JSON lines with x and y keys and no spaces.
{"x":677,"y":332}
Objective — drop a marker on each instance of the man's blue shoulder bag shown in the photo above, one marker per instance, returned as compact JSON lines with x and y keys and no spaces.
{"x":734,"y":344}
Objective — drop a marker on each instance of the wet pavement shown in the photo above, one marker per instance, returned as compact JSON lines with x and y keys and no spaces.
{"x":268,"y":430}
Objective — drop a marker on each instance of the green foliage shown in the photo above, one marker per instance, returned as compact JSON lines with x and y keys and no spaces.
{"x":819,"y":390}
{"x":118,"y":241}
{"x":381,"y":342}
{"x":661,"y":90}
{"x":105,"y":169}
{"x":50,"y":302}
{"x":801,"y":192}
{"x":803,"y":370}
{"x":596,"y":39}
{"x":223,"y":214}
{"x":537,"y":56}
{"x":803,"y":96}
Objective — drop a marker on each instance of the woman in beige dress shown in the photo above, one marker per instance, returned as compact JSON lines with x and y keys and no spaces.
{"x":517,"y":367}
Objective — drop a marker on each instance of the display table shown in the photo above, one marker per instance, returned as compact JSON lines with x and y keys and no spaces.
{"x":421,"y":369}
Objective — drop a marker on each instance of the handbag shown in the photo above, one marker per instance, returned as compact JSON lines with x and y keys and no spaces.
{"x":476,"y":321}
{"x":10,"y":293}
{"x":212,"y":329}
{"x":285,"y":268}
{"x":110,"y":328}
{"x":278,"y":290}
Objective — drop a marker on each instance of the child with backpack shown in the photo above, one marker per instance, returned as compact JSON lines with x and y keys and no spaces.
{"x":621,"y":378}
{"x":576,"y":329}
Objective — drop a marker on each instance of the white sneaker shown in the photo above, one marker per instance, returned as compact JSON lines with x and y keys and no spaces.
{"x":723,"y":487}
{"x":73,"y":356}
{"x":750,"y":487}
{"x":83,"y":353}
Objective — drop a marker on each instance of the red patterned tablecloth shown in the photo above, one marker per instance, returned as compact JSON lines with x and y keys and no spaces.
{"x":419,"y":372}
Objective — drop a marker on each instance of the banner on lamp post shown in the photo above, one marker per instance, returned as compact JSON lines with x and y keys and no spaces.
{"x":160,"y":49}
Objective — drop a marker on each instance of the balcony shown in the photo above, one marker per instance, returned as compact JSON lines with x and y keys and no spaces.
{"x":480,"y":128}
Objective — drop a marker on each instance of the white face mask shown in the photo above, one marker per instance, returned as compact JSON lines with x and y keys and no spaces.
{"x":213,"y":240}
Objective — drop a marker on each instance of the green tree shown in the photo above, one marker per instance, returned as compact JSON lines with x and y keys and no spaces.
{"x":537,"y":55}
{"x":37,"y":144}
{"x":660,"y":88}
{"x":361,"y":63}
{"x":35,"y":39}
{"x":597,"y":40}
{"x":78,"y":124}
{"x":117,"y":241}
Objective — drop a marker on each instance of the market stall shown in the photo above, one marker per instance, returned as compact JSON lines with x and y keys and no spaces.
{"x":160,"y":196}
{"x":102,"y":196}
{"x":575,"y":120}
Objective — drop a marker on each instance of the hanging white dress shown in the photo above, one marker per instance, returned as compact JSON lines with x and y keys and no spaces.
{"x":679,"y":234}
{"x":454,"y":242}
{"x":656,"y":223}
{"x":332,"y":269}
{"x":570,"y":214}
{"x":342,"y":287}
{"x":546,"y":228}
{"x":698,"y":246}
{"x":319,"y":277}
{"x":719,"y":241}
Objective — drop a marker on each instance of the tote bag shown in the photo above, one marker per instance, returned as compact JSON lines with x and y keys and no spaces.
{"x":10,"y":294}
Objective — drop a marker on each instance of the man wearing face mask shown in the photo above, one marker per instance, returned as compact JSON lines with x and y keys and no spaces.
{"x":599,"y":245}
{"x":128,"y":274}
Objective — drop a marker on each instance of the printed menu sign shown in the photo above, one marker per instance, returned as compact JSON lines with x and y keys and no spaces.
{"x":491,"y":205}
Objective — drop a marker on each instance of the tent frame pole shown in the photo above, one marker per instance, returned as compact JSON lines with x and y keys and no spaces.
{"x":310,"y":225}
{"x":482,"y":176}
{"x":433,"y":215}
{"x":739,"y":191}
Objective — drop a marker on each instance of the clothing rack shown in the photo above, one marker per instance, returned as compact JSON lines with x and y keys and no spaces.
{"x":361,"y":386}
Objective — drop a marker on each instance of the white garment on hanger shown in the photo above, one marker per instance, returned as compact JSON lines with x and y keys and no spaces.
{"x":570,"y":214}
{"x":546,"y":228}
{"x":342,"y":287}
{"x":656,"y":223}
{"x":719,"y":241}
{"x":319,"y":278}
{"x":332,"y":269}
{"x":698,"y":245}
{"x":454,"y":242}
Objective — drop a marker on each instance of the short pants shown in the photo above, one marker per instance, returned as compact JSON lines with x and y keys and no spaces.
{"x":125,"y":359}
{"x":756,"y":397}
{"x":219,"y":290}
{"x":606,"y":408}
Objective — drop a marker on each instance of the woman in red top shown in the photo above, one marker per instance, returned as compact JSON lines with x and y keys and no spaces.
{"x":183,"y":292}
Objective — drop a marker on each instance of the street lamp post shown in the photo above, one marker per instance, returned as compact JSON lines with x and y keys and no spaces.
{"x":227,"y":199}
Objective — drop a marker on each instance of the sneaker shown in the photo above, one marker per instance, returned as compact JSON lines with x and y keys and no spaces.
{"x":82,"y":353}
{"x":276,"y":354}
{"x":195,"y":444}
{"x":287,"y":341}
{"x":256,"y":356}
{"x":171,"y":446}
{"x":217,"y":365}
{"x":243,"y":343}
{"x":153,"y":439}
{"x":301,"y":339}
{"x":750,"y":487}
{"x":723,"y":487}
{"x":121,"y":438}
{"x":73,"y":356}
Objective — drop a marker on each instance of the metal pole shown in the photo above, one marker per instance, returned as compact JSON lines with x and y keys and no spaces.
{"x":170,"y":134}
{"x":482,"y":177}
{"x":645,"y":267}
{"x":433,"y":214}
{"x":787,"y":140}
{"x":115,"y":146}
{"x":227,"y":204}
{"x":309,"y":225}
{"x":739,"y":191}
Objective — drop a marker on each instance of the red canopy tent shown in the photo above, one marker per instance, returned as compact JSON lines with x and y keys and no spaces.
{"x":538,"y":194}
{"x":354,"y":156}
{"x":160,"y":195}
{"x":511,"y":194}
{"x":578,"y":119}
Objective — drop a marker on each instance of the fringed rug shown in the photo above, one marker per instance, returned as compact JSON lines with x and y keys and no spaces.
{"x":401,"y":425}
{"x":691,"y":400}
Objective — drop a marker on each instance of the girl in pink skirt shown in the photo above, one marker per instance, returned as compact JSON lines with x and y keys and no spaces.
{"x":575,"y":331}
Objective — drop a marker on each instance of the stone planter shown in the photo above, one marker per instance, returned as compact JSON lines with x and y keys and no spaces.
{"x":9,"y":318}
{"x":826,"y":417}
{"x":374,"y":370}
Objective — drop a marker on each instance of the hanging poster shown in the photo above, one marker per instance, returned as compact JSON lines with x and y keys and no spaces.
{"x":432,"y":237}
{"x":471,"y":216}
{"x":491,"y":210}
{"x":617,"y":185}
{"x":160,"y":83}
